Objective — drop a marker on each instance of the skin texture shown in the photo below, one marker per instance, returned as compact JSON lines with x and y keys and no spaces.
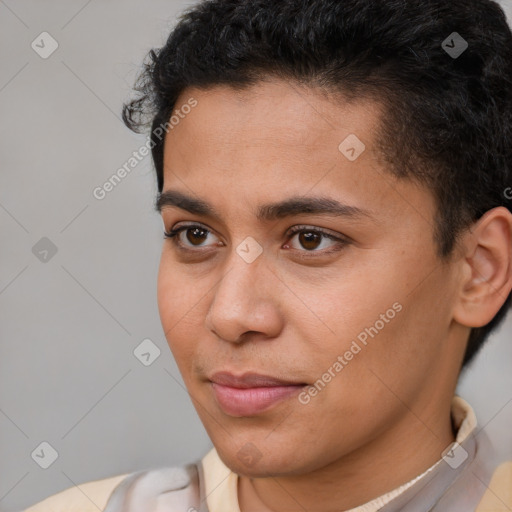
{"x":290,"y":317}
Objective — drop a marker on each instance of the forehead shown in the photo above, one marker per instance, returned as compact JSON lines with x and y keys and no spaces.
{"x":278,"y":112}
{"x":277,"y":139}
{"x":272,"y":130}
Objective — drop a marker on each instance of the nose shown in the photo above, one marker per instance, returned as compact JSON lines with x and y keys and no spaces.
{"x":245,"y":301}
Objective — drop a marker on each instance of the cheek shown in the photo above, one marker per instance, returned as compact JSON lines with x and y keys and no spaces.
{"x":369,"y":318}
{"x":347,"y":307}
{"x":177,"y":292}
{"x":165,"y":295}
{"x":175,"y":302}
{"x":400,"y":350}
{"x":182,"y":304}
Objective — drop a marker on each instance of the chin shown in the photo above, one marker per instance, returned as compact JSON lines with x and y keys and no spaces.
{"x":259,"y":469}
{"x":263,"y":461}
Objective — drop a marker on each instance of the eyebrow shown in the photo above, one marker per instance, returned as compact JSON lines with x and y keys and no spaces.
{"x":267,"y":212}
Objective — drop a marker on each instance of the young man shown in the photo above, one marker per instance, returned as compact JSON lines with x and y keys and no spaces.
{"x":334,"y":183}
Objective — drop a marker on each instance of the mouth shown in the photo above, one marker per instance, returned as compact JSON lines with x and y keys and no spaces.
{"x":251,"y":393}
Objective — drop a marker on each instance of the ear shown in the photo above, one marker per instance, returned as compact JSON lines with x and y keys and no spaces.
{"x":486,"y":268}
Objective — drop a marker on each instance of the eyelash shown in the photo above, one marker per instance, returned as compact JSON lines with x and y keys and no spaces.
{"x":342,"y":241}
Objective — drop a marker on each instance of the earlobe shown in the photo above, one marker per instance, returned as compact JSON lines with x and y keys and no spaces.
{"x":487,"y":275}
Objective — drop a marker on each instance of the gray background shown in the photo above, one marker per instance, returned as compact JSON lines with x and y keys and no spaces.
{"x":69,"y":325}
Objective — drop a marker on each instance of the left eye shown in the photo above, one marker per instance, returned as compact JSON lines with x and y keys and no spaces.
{"x":309,"y":238}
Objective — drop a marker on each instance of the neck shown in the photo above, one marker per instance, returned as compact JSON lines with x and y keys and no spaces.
{"x":398,"y":455}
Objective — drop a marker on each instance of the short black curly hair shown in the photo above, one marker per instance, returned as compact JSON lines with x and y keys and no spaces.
{"x":448,"y":121}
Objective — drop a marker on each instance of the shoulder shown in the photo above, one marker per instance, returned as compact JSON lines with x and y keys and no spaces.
{"x":172,"y":486}
{"x":87,"y":497}
{"x":498,"y":496}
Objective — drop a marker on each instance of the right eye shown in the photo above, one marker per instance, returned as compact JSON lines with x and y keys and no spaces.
{"x":194,"y":233}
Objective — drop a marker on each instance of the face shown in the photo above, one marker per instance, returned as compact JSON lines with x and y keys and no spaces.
{"x":343,"y":304}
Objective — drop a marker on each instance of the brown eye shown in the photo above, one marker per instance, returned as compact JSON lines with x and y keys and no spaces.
{"x":195,"y":236}
{"x":309,"y":241}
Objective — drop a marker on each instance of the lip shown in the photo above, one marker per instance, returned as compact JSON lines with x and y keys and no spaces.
{"x":251,"y":380}
{"x":251,"y":393}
